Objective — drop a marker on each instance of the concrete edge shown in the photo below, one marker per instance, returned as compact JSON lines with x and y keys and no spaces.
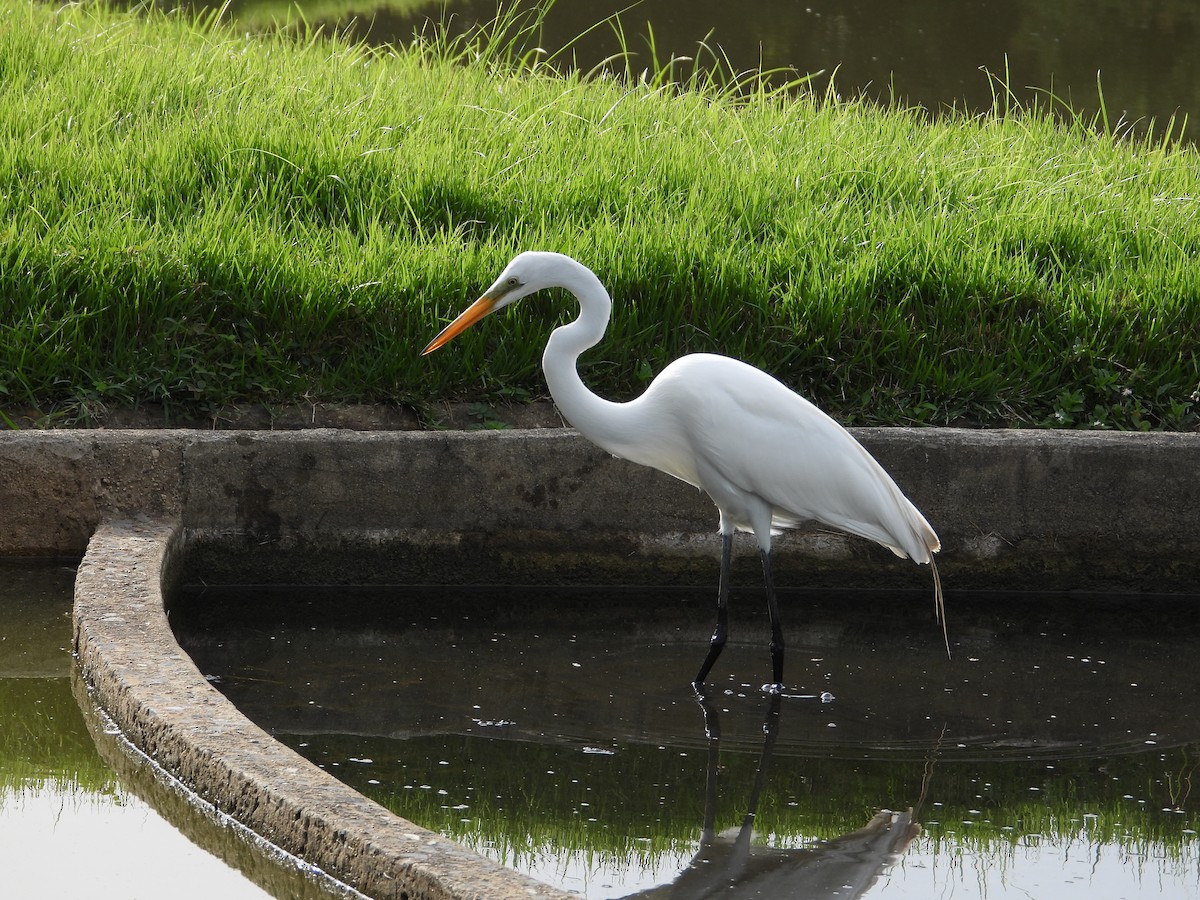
{"x":279,"y":873}
{"x":1016,"y":510}
{"x":1062,"y":510}
{"x":138,"y":674}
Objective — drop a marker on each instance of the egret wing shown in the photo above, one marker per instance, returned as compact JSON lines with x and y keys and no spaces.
{"x":774,"y":444}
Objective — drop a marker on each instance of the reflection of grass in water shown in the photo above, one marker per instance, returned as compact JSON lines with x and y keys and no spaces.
{"x":520,"y":801}
{"x":261,"y":15}
{"x":44,"y":743}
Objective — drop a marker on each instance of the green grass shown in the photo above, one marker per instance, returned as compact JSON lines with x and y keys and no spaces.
{"x":194,"y":217}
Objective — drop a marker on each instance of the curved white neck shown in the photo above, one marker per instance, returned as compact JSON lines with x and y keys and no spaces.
{"x":593,"y":416}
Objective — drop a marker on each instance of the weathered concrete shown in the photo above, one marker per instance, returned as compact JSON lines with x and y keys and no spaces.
{"x":1014,"y":509}
{"x":279,"y":873}
{"x":167,"y":709}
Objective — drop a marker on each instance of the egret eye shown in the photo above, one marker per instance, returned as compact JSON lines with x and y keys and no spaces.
{"x":513,"y":281}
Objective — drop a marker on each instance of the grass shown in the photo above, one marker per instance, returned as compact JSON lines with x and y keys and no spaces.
{"x":192,"y":217}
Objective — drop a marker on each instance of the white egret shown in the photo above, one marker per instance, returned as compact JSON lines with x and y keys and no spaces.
{"x":767,"y":457}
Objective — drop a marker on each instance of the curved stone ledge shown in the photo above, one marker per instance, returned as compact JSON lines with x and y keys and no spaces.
{"x":152,"y":690}
{"x":1014,"y":510}
{"x":279,"y":873}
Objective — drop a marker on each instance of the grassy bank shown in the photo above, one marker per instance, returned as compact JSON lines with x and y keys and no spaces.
{"x":193,"y":217}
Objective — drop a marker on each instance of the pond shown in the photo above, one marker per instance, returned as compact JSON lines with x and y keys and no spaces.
{"x":935,"y":53}
{"x":555,"y":730}
{"x":77,"y":817}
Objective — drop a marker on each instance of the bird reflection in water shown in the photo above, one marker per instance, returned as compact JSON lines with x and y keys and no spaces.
{"x":729,"y":865}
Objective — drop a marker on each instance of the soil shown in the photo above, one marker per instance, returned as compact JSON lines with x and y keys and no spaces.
{"x":264,"y":417}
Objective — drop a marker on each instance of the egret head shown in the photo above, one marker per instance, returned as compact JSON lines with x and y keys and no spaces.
{"x":529,"y":272}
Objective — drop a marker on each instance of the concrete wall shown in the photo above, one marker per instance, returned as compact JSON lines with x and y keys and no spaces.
{"x":1014,"y":509}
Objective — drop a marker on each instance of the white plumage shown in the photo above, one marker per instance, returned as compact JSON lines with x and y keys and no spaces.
{"x":767,"y":457}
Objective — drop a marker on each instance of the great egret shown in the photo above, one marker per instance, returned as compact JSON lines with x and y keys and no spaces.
{"x":768,"y":458}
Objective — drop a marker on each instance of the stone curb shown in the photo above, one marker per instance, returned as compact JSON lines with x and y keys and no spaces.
{"x":1014,"y":510}
{"x":138,"y":674}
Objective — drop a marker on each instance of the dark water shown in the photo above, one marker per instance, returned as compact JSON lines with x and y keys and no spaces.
{"x":935,"y":53}
{"x":556,"y":731}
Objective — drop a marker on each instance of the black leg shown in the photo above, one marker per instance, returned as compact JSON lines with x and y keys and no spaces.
{"x":721,"y":632}
{"x":776,"y":627}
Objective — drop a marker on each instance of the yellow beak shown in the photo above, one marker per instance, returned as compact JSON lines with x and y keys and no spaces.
{"x":466,"y":319}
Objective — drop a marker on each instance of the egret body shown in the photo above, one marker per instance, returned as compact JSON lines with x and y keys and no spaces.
{"x":767,"y":457}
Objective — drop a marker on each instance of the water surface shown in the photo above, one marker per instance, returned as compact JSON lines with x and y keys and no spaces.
{"x":70,"y":826}
{"x":935,"y":53}
{"x":556,"y":731}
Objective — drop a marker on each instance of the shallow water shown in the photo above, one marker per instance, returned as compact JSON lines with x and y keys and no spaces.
{"x":71,"y":826}
{"x":557,"y":732}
